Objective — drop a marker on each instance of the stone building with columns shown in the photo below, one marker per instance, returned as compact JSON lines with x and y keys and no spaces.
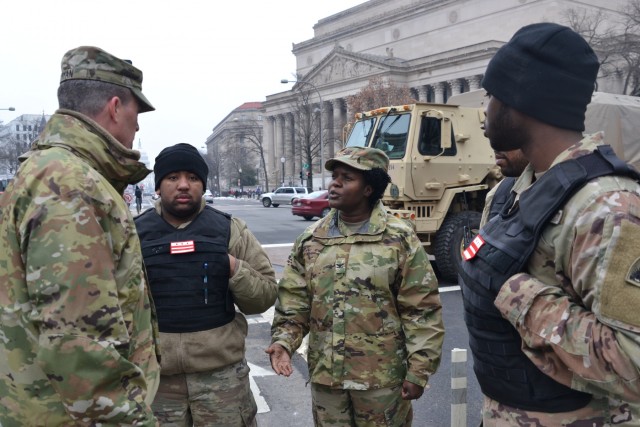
{"x":436,"y":48}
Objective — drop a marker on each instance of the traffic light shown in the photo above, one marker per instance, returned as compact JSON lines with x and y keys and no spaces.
{"x":308,"y":174}
{"x":301,"y":175}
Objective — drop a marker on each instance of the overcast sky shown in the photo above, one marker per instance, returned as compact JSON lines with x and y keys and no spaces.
{"x":200,"y":58}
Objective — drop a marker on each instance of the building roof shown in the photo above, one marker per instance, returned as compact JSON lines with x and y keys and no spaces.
{"x":250,"y":106}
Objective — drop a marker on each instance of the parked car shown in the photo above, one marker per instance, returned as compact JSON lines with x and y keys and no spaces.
{"x":208,"y":196}
{"x":311,"y":205}
{"x":282,"y":196}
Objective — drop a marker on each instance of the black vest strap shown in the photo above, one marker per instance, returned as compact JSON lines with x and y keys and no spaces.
{"x":510,"y":237}
{"x":190,"y":289}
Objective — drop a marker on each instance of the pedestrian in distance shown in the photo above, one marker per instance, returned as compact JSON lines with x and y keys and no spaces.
{"x":551,"y":284}
{"x":359,"y":282}
{"x":138,"y":193}
{"x":78,"y":329}
{"x":201,"y":262}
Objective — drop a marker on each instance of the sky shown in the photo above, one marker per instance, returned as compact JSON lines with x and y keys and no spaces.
{"x":200,"y":58}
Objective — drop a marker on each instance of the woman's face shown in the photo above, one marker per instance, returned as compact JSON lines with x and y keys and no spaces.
{"x":348,"y":191}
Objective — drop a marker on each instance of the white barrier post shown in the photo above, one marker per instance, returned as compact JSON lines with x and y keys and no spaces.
{"x":459,"y":387}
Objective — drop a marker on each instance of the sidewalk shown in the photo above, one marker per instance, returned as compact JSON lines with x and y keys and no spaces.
{"x":278,"y":254}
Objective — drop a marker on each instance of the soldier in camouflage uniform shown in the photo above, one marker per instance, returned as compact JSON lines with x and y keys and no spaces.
{"x":360,"y":283}
{"x":78,"y":329}
{"x":551,"y":285}
{"x":201,"y":262}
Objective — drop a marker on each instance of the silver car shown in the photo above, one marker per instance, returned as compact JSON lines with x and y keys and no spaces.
{"x":282,"y":196}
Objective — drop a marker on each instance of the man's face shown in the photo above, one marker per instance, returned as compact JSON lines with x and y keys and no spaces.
{"x":503,"y":126}
{"x":180,"y":196}
{"x":348,"y":191}
{"x":511,"y":163}
{"x":127,"y":126}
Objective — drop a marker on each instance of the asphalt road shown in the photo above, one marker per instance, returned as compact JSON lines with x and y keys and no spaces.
{"x":286,"y":402}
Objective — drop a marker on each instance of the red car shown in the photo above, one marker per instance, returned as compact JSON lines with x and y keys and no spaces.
{"x":313,"y":204}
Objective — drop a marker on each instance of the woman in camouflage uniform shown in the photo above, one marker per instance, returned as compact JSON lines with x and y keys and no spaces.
{"x":360,"y":283}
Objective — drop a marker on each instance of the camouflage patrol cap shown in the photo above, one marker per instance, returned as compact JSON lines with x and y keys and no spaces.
{"x":361,"y":158}
{"x":93,"y":63}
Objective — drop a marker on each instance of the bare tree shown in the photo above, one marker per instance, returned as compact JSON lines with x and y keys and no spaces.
{"x":10,"y":150}
{"x":251,"y":135}
{"x":379,"y":93}
{"x":617,"y":43}
{"x":307,"y":129}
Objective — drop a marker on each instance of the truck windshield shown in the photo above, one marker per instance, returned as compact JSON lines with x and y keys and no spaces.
{"x":391,"y":135}
{"x":361,"y":133}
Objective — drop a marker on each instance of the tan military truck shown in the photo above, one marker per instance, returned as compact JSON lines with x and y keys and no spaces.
{"x":442,"y":166}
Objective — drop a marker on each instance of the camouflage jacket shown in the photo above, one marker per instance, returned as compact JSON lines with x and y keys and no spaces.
{"x":369,"y":302}
{"x":576,"y":306}
{"x":254,"y":289}
{"x":78,"y":331}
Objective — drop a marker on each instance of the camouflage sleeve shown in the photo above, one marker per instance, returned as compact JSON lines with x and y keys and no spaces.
{"x":254,"y":283}
{"x":590,"y":324}
{"x":291,"y":318}
{"x":421,"y":313}
{"x":83,"y":341}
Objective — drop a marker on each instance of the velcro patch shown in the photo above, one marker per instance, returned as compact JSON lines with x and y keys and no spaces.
{"x":620,"y":297}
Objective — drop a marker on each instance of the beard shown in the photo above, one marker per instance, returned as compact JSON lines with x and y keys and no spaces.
{"x":504,"y":133}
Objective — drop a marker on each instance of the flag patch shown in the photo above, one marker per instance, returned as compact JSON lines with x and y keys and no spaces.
{"x":473,"y":248}
{"x":182,"y":247}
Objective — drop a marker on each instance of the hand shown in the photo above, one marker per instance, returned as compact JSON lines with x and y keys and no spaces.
{"x":411,"y":391}
{"x":280,"y":360}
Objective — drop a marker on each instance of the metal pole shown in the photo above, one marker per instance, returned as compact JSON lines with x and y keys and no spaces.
{"x":458,"y":387}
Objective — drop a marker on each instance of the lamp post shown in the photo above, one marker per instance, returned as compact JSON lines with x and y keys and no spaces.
{"x":284,"y":81}
{"x":282,"y":160}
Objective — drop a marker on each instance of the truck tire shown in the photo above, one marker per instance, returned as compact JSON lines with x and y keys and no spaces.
{"x":449,"y":243}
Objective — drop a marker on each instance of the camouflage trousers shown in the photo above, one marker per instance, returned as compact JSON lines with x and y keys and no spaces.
{"x":382,"y":407}
{"x":220,"y":398}
{"x":598,"y":413}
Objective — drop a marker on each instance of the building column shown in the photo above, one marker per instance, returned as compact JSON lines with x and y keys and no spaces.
{"x":473,"y":82}
{"x":280,"y":141}
{"x":339,"y":122}
{"x":289,"y":150}
{"x":269,"y":129}
{"x":423,"y":94}
{"x":438,"y":90}
{"x":455,"y":87}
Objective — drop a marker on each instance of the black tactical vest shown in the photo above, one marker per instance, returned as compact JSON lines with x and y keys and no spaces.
{"x":190,"y":286}
{"x":504,"y":372}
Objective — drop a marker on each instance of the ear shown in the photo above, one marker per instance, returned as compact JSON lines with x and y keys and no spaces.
{"x":368,"y":190}
{"x":114,"y":105}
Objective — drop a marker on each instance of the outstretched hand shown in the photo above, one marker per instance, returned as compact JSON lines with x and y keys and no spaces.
{"x":411,"y":391}
{"x":280,"y":360}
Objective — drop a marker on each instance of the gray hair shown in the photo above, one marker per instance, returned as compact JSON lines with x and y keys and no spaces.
{"x":90,"y":96}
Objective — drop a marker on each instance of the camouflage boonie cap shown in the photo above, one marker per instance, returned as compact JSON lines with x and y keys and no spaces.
{"x":361,"y":158}
{"x":93,"y":63}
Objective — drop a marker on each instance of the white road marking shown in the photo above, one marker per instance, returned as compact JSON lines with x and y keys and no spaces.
{"x":257,"y":371}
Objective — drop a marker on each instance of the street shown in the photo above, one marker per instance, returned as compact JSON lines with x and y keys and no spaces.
{"x":286,"y":402}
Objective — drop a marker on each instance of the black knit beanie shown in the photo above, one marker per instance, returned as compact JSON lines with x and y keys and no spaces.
{"x":546,"y":71}
{"x":180,"y":157}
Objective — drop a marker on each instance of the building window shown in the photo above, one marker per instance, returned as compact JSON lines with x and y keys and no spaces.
{"x":24,"y":127}
{"x":29,"y":128}
{"x":17,"y":128}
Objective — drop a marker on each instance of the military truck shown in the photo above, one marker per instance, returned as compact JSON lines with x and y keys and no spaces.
{"x":442,"y":166}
